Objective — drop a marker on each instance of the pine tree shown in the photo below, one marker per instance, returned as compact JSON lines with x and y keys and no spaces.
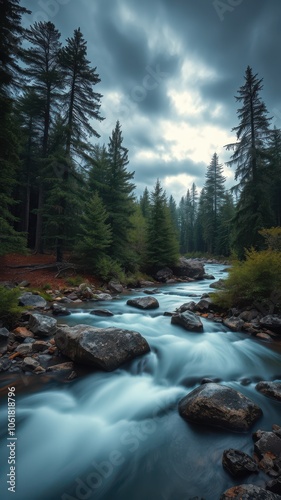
{"x":11,"y":33}
{"x":214,"y":198}
{"x":253,"y":211}
{"x":119,"y":197}
{"x":162,"y":246}
{"x":81,"y":102}
{"x":94,"y":234}
{"x":144,"y":203}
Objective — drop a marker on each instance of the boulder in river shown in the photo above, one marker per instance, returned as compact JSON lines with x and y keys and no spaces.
{"x":270,"y":389}
{"x":271,"y":322}
{"x":248,"y":492}
{"x":238,"y":463}
{"x":33,"y":300}
{"x":164,"y":274}
{"x":189,"y":268}
{"x":42,"y":325}
{"x":105,"y":348}
{"x":220,"y":406}
{"x":144,"y":303}
{"x":188,"y":320}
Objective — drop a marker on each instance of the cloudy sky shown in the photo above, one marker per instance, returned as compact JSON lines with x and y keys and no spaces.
{"x":169,"y":72}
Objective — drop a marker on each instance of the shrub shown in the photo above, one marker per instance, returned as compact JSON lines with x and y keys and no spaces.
{"x":9,"y":308}
{"x":107,"y":269}
{"x":255,"y":281}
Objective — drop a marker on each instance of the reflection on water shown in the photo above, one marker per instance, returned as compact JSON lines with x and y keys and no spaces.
{"x":118,"y":436}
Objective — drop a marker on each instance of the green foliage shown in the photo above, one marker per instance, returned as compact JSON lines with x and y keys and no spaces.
{"x":74,"y":280}
{"x":107,"y":269}
{"x":9,"y":309}
{"x":253,"y":281}
{"x":162,"y":244}
{"x":272,"y":238}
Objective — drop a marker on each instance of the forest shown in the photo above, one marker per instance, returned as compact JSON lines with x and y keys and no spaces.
{"x":64,"y":192}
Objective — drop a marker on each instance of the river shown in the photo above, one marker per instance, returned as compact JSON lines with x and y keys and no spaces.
{"x":118,"y":435}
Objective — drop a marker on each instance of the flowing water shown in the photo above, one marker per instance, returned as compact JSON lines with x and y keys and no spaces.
{"x":118,"y":436}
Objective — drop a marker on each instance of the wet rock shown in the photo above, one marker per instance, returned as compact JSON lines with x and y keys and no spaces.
{"x":29,"y":364}
{"x":59,"y":310}
{"x":189,"y":268}
{"x":220,"y":406}
{"x":21,"y":333}
{"x":164,"y":274}
{"x":188,"y":320}
{"x":24,"y":348}
{"x":264,"y":336}
{"x":105,"y":348}
{"x":24,"y":284}
{"x":187,"y":306}
{"x":144,"y":283}
{"x":5,"y":364}
{"x":40,"y":346}
{"x":218,"y":284}
{"x":238,"y":463}
{"x":115,"y":287}
{"x":208,"y":277}
{"x":42,"y":325}
{"x":249,"y":315}
{"x":102,"y":296}
{"x":248,"y":492}
{"x":154,"y":291}
{"x":204,"y":305}
{"x":271,"y":322}
{"x":102,"y":312}
{"x":4,"y":334}
{"x":233,"y":323}
{"x":32,"y":300}
{"x":144,"y":303}
{"x":268,"y":443}
{"x":270,"y":389}
{"x":62,"y":367}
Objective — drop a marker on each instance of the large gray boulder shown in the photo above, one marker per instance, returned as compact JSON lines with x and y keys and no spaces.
{"x":271,"y":322}
{"x":220,"y":406}
{"x":248,"y":492}
{"x":189,"y":268}
{"x":270,"y":389}
{"x":188,"y":320}
{"x":32,"y":300}
{"x":144,"y":303}
{"x":42,"y":325}
{"x":105,"y":348}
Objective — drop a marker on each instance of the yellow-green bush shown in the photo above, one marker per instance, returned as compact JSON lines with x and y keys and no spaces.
{"x":255,"y":280}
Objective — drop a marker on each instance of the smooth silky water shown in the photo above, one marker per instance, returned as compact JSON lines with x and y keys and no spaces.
{"x":118,"y":435}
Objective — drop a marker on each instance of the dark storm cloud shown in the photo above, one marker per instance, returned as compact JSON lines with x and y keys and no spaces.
{"x":131,"y":41}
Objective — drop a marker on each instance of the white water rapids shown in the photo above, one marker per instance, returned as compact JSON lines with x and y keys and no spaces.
{"x":118,"y":436}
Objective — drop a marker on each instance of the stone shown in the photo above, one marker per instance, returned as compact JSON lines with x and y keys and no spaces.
{"x":270,"y":389}
{"x":271,"y":322}
{"x":164,"y":274}
{"x":248,"y":492}
{"x":24,"y":284}
{"x":233,"y":323}
{"x":59,"y":310}
{"x":189,"y":268}
{"x":208,"y":277}
{"x":102,"y":296}
{"x":144,"y":303}
{"x":101,"y":312}
{"x":219,"y":406}
{"x":32,"y":300}
{"x":263,"y":336}
{"x":115,"y":287}
{"x":187,"y":306}
{"x":4,"y":334}
{"x":144,"y":283}
{"x":24,"y":348}
{"x":42,"y":325}
{"x":102,"y":348}
{"x":188,"y":320}
{"x":5,"y":364}
{"x":62,"y":367}
{"x":40,"y":346}
{"x":21,"y":333}
{"x":238,"y":463}
{"x":268,"y":443}
{"x":204,"y":305}
{"x":29,"y":364}
{"x":218,"y":285}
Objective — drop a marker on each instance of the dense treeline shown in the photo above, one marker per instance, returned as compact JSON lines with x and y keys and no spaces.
{"x":62,"y":192}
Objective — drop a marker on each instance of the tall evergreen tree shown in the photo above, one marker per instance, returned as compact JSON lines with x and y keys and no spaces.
{"x":162,"y":245}
{"x":81,"y":102}
{"x":214,"y":198}
{"x":119,"y":197}
{"x":144,"y":203}
{"x":41,"y":59}
{"x":249,"y":157}
{"x":11,"y":33}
